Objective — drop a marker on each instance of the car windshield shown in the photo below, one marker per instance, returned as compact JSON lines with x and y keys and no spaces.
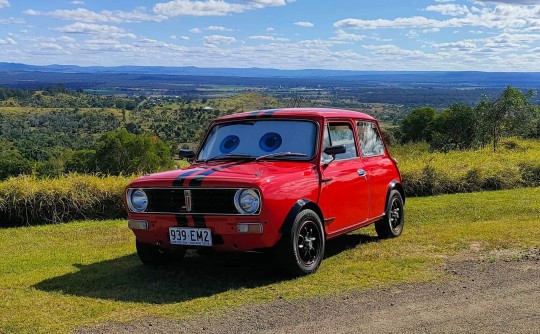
{"x":272,"y":139}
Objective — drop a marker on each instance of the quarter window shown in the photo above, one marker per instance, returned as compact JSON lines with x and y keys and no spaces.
{"x":370,"y":140}
{"x":340,"y":134}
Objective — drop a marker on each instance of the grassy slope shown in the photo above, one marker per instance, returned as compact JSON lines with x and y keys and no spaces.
{"x":56,"y":278}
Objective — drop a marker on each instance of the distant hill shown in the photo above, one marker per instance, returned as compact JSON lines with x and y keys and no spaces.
{"x":485,"y":79}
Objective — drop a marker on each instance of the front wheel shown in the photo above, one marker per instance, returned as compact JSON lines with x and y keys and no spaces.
{"x":301,"y":250}
{"x":392,"y":223}
{"x":151,"y":255}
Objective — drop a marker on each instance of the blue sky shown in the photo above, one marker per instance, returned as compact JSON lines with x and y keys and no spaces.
{"x":287,"y":34}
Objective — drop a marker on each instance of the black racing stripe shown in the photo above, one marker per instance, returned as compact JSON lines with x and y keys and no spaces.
{"x":196,"y":181}
{"x":181,"y":220}
{"x":261,"y":114}
{"x":179,"y":181}
{"x":199,"y":221}
{"x":270,"y":112}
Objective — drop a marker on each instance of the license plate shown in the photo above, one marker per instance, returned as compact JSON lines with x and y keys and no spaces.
{"x":190,"y":236}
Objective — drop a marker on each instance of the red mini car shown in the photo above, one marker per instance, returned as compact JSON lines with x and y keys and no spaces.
{"x":284,"y":180}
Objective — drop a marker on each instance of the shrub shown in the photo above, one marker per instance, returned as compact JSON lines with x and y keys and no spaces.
{"x":25,"y":200}
{"x":123,"y":152}
{"x":424,"y":173}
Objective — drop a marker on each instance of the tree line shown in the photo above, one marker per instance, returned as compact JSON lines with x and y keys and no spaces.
{"x":461,"y":127}
{"x":135,"y":135}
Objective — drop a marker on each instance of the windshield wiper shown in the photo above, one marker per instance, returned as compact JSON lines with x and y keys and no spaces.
{"x":230,"y":156}
{"x":280,"y":154}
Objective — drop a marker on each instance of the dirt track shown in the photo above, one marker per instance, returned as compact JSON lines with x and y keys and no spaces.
{"x":483,"y":297}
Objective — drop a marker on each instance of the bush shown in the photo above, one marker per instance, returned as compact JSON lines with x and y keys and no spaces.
{"x":25,"y":200}
{"x":120,"y":152}
{"x":516,"y":164}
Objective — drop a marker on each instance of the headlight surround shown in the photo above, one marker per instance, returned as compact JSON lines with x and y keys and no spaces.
{"x":137,"y":200}
{"x":247,"y":201}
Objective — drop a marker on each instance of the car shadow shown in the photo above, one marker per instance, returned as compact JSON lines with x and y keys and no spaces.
{"x":126,"y":279}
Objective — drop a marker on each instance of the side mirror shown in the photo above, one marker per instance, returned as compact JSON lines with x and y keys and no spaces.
{"x":335,"y":150}
{"x":186,"y":153}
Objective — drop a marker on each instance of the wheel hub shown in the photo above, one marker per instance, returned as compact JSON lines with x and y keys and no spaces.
{"x":307,"y":244}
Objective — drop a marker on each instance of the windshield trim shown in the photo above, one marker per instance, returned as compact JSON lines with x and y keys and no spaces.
{"x":250,"y":120}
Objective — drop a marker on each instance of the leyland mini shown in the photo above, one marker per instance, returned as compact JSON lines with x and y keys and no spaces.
{"x":284,"y":180}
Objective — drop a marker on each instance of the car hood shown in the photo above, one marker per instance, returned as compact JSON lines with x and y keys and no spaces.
{"x":235,"y":173}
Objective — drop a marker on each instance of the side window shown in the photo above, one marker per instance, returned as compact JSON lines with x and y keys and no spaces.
{"x":340,"y":134}
{"x":370,"y":140}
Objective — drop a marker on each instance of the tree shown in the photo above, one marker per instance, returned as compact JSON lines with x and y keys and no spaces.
{"x":416,"y":125}
{"x":120,"y":152}
{"x":454,"y":128}
{"x":81,"y":161}
{"x":510,"y":114}
{"x":11,"y":161}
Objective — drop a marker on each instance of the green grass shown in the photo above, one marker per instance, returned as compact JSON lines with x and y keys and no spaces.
{"x":55,"y":278}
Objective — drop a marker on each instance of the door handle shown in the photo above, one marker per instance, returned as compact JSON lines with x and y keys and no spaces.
{"x":362,"y":173}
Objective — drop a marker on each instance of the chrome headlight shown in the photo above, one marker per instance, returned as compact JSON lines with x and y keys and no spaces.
{"x":247,"y":201}
{"x":137,"y":200}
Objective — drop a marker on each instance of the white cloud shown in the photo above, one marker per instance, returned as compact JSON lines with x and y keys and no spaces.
{"x":105,"y":45}
{"x":393,"y":51}
{"x":342,"y":35}
{"x":11,"y":20}
{"x":269,"y":38}
{"x":217,"y":28}
{"x":172,"y":37}
{"x":449,"y":9}
{"x":7,"y":41}
{"x":4,"y":3}
{"x":196,"y":30}
{"x":50,"y":47}
{"x":214,"y":40}
{"x":77,"y":3}
{"x":270,"y":29}
{"x":95,"y":29}
{"x":402,"y":23}
{"x":88,"y":16}
{"x":304,"y":24}
{"x":211,"y":7}
{"x":461,"y":45}
{"x":66,"y":39}
{"x":515,"y":2}
{"x":495,"y":17}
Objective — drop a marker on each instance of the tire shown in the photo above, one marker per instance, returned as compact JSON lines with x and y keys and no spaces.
{"x":152,"y":255}
{"x":391,"y":225}
{"x":301,"y":250}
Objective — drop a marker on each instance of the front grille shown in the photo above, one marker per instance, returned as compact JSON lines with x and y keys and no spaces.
{"x":203,"y":201}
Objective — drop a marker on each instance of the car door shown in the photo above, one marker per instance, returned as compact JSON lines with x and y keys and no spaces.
{"x":377,"y":164}
{"x":344,"y":189}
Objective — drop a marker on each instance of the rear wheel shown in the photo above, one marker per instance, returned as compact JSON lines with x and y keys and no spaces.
{"x":152,"y":255}
{"x":301,"y":250}
{"x":392,"y":224}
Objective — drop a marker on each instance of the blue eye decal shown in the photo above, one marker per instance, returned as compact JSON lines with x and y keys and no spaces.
{"x":229,"y":144}
{"x":270,"y":142}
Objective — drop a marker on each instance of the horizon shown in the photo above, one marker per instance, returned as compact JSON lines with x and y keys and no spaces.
{"x":271,"y":69}
{"x":386,"y":36}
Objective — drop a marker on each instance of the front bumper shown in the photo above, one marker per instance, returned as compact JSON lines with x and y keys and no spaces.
{"x":225,"y":231}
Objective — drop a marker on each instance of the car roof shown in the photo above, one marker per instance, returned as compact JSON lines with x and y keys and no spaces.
{"x":298,"y":112}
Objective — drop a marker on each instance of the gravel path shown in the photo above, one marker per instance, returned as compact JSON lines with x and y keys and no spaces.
{"x":483,"y":297}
